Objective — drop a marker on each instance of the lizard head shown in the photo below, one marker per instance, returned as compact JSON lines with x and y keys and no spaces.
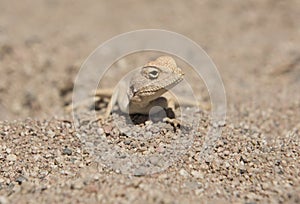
{"x":154,"y":79}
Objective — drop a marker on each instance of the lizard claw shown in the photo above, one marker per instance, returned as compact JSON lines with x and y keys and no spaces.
{"x":173,"y":121}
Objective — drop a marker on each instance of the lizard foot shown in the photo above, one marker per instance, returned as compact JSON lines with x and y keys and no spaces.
{"x":173,"y":121}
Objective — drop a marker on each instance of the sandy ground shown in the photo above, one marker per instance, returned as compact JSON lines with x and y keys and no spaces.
{"x":255,"y":45}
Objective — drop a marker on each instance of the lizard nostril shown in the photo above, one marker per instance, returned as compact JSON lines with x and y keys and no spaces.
{"x":132,"y":90}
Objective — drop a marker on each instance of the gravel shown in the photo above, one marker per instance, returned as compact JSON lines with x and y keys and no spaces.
{"x":46,"y":159}
{"x":246,"y":165}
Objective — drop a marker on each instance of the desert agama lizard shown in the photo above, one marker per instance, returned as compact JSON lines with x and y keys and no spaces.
{"x":145,"y":88}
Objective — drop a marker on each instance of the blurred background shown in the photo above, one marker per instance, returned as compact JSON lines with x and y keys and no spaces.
{"x":255,"y":45}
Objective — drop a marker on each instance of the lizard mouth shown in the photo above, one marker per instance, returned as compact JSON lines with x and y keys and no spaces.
{"x":157,"y":86}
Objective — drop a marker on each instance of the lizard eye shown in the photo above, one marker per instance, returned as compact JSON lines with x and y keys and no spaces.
{"x":153,"y":74}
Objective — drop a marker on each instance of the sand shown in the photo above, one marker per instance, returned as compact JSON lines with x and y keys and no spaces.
{"x":45,"y":158}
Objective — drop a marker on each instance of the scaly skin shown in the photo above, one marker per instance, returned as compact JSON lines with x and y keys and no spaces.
{"x":142,"y":90}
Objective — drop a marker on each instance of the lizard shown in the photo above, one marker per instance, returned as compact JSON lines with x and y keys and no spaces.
{"x":146,"y":87}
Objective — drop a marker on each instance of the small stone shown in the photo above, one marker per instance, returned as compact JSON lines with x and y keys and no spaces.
{"x":8,"y":150}
{"x":20,"y":180}
{"x":199,"y":191}
{"x":34,"y":150}
{"x":100,"y":131}
{"x":226,"y":153}
{"x":67,"y":151}
{"x":148,"y":134}
{"x":107,"y":129}
{"x":77,"y":185}
{"x":140,"y":172}
{"x":58,"y":160}
{"x":148,"y":122}
{"x":3,"y":200}
{"x":155,"y":130}
{"x":47,"y":156}
{"x":227,"y":165}
{"x":96,"y":177}
{"x":91,"y":188}
{"x":197,"y":174}
{"x":154,"y":160}
{"x":163,"y":176}
{"x":183,"y":173}
{"x":51,"y":133}
{"x":11,"y":157}
{"x":192,"y":185}
{"x":124,"y":130}
{"x":43,"y":174}
{"x":127,"y":142}
{"x":243,"y":170}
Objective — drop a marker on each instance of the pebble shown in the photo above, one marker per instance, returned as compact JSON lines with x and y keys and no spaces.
{"x":199,"y":191}
{"x":243,"y":171}
{"x":67,"y":151}
{"x":8,"y":150}
{"x":3,"y":200}
{"x":127,"y":142}
{"x":107,"y":129}
{"x":20,"y":179}
{"x":100,"y":131}
{"x":197,"y":174}
{"x":148,"y":134}
{"x":78,"y":184}
{"x":51,"y":133}
{"x":183,"y":173}
{"x":227,"y":164}
{"x":154,"y":160}
{"x":192,"y":185}
{"x":11,"y":157}
{"x":140,"y":172}
{"x":226,"y":153}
